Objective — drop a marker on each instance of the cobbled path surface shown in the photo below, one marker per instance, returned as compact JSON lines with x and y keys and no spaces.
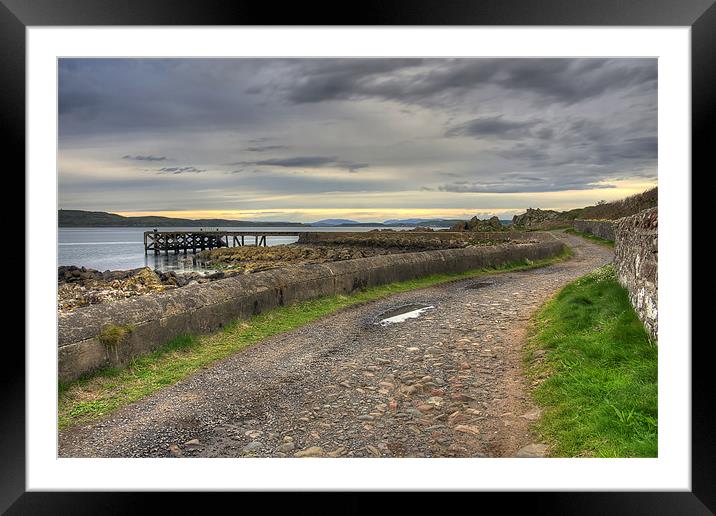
{"x":446,"y":384}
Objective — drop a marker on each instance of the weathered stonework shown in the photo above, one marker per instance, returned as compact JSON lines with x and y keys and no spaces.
{"x":203,"y":308}
{"x":601,"y":228}
{"x":636,"y":260}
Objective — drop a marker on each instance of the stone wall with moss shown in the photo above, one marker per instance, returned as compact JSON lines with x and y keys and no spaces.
{"x":636,"y":261}
{"x":111,"y":334}
{"x":601,"y":228}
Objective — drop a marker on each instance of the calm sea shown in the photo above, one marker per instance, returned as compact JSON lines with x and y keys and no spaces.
{"x":123,"y":248}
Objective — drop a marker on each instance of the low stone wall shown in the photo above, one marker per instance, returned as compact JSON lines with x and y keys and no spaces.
{"x":419,"y":237}
{"x":601,"y":228}
{"x":636,"y":260}
{"x":203,"y":308}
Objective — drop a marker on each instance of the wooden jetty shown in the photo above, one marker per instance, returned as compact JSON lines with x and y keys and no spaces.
{"x":185,"y":241}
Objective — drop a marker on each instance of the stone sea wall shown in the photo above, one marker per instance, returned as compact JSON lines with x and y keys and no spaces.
{"x":636,"y":261}
{"x":203,"y":308}
{"x":601,"y":228}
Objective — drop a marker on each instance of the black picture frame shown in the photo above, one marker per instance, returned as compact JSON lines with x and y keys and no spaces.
{"x":700,"y":15}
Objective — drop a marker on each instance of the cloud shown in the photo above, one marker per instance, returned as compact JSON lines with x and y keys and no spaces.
{"x":518,"y":183}
{"x":306,"y":162}
{"x":430,"y":81}
{"x":145,"y":158}
{"x":280,"y":132}
{"x":320,"y":80}
{"x":180,"y":170}
{"x":264,"y":148}
{"x":492,"y":127}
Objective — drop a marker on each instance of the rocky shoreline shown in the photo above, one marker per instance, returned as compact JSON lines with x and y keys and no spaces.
{"x":81,"y":286}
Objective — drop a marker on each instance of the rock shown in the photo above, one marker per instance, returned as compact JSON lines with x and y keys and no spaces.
{"x":435,"y":400}
{"x":409,"y":390}
{"x":193,"y":442}
{"x":175,"y":450}
{"x":365,"y":417}
{"x":468,"y":429}
{"x":535,"y":218}
{"x":532,"y":415}
{"x":313,"y":451}
{"x":286,"y":447}
{"x":532,"y":451}
{"x":252,"y":446}
{"x":337,"y":452}
{"x":373,"y":451}
{"x":475,"y":224}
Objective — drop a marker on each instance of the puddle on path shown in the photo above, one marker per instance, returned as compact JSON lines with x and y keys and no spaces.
{"x":402,"y":313}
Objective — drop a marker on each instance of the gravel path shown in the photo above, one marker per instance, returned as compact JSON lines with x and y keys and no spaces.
{"x":446,"y":384}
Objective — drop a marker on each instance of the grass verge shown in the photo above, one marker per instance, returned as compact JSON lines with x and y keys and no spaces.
{"x":89,"y":398}
{"x":596,"y":372}
{"x":589,"y":236}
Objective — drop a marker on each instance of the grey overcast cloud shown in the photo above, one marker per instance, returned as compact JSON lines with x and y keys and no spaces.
{"x":366,"y":139}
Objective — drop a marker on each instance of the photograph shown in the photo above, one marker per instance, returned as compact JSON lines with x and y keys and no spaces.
{"x":357,"y":257}
{"x":416,"y":249}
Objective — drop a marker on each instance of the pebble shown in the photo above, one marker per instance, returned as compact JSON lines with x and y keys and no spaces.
{"x":468,"y":429}
{"x":337,"y":452}
{"x":532,"y":451}
{"x":313,"y":451}
{"x":286,"y":447}
{"x":373,"y":451}
{"x":252,"y":446}
{"x":532,"y":415}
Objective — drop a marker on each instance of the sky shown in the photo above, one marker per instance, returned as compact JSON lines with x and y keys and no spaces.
{"x":362,"y":139}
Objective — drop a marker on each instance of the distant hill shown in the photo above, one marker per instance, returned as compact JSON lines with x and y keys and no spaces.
{"x":333,"y":222}
{"x":438,"y":223}
{"x":80,"y":218}
{"x":617,"y":209}
{"x":390,"y":223}
{"x":548,"y":219}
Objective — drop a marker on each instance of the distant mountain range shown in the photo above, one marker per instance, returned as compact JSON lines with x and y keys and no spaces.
{"x":81,"y":218}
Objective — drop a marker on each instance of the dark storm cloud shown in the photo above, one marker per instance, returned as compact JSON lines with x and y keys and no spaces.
{"x":306,"y":162}
{"x":588,"y":143}
{"x":558,"y":80}
{"x":144,"y":158}
{"x":333,"y":79}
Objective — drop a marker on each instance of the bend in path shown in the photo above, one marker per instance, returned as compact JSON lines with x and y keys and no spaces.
{"x":446,"y":384}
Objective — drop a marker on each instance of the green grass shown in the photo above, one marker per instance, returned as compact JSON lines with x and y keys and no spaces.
{"x":111,"y":335}
{"x":89,"y":398}
{"x":589,"y":236}
{"x":596,"y":372}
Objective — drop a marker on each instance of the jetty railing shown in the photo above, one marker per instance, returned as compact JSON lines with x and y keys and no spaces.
{"x":185,"y":241}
